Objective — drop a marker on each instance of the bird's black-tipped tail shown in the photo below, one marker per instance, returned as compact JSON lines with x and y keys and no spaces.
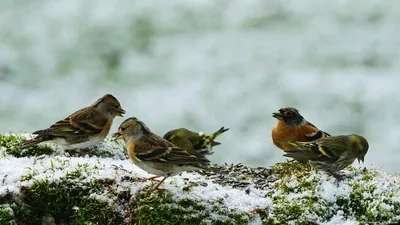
{"x":219,"y":132}
{"x":214,"y":135}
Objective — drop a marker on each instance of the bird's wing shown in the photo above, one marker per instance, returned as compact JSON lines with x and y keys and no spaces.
{"x":91,"y":121}
{"x":179,"y":132}
{"x":310,"y":124}
{"x":173,"y":155}
{"x":186,"y":139}
{"x":312,"y":151}
{"x":317,"y":135}
{"x":312,"y":136}
{"x":183,"y":143}
{"x":83,"y":122}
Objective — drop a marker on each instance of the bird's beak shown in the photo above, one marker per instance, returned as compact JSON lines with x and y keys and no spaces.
{"x":277,"y":115}
{"x":121,"y":112}
{"x":361,"y":159}
{"x":117,"y":135}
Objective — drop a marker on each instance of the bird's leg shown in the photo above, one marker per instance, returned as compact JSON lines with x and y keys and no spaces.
{"x":158,"y":185}
{"x":153,"y":178}
{"x":339,"y":177}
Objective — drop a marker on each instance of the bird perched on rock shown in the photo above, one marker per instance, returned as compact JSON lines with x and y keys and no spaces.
{"x":292,"y":126}
{"x":83,"y":128}
{"x":154,"y":154}
{"x":193,"y":142}
{"x":330,"y":154}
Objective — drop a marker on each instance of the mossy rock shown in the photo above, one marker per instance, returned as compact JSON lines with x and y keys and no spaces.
{"x":54,"y":187}
{"x":107,"y":149}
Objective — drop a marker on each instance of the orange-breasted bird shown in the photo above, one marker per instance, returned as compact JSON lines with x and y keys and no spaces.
{"x":83,"y":128}
{"x":293,"y":127}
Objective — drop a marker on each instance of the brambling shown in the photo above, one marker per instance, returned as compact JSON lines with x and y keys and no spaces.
{"x":292,"y":126}
{"x":82,"y":129}
{"x":154,"y":154}
{"x":193,"y":142}
{"x":330,"y":154}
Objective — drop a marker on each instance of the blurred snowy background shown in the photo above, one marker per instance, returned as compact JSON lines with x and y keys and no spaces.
{"x":203,"y":64}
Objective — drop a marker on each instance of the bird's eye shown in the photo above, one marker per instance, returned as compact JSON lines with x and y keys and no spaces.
{"x":123,"y":129}
{"x":116,"y":106}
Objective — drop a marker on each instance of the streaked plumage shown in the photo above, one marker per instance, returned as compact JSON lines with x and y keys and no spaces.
{"x":83,"y":128}
{"x":194,"y":142}
{"x":330,"y":154}
{"x":154,"y":154}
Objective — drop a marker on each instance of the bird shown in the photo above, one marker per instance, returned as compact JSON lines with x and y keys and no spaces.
{"x":194,"y":142}
{"x":154,"y":154}
{"x":330,"y":154}
{"x":292,"y":126}
{"x":82,"y":129}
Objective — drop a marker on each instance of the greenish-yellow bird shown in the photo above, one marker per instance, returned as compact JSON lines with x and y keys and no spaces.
{"x":330,"y":154}
{"x":194,"y":142}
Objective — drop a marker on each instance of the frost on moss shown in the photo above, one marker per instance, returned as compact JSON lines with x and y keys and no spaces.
{"x":67,"y":198}
{"x":108,"y":149}
{"x":9,"y":141}
{"x":364,"y":196}
{"x":101,"y":186}
{"x":7,"y":215}
{"x":162,"y":208}
{"x":66,"y":201}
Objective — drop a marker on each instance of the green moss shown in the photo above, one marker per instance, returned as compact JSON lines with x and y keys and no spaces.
{"x":7,"y":215}
{"x":295,"y":194}
{"x":362,"y":203}
{"x":92,"y":151}
{"x":109,"y":148}
{"x":161,"y":208}
{"x":287,"y":169}
{"x":368,"y":207}
{"x":367,"y":174}
{"x":9,"y":142}
{"x":67,"y":200}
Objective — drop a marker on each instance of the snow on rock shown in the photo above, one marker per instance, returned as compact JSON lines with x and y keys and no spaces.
{"x":102,"y":185}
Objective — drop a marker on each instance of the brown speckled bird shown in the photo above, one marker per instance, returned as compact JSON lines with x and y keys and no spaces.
{"x":292,"y":126}
{"x":82,"y":129}
{"x":154,"y":154}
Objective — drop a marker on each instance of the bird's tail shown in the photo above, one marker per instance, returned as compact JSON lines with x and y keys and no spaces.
{"x":32,"y":142}
{"x":209,"y":138}
{"x":217,"y":133}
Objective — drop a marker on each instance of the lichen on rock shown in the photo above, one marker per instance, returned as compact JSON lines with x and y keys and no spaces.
{"x":49,"y":185}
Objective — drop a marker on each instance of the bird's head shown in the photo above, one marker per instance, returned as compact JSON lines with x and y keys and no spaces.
{"x":360,"y":146}
{"x":290,"y":116}
{"x":109,"y":104}
{"x":131,"y":129}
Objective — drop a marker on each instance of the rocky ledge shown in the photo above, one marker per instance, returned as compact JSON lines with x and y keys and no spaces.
{"x":50,"y":185}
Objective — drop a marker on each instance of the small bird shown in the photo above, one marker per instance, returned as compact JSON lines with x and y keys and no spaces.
{"x":154,"y":154}
{"x":82,"y":129}
{"x":292,"y":126}
{"x":330,"y":154}
{"x":193,"y":142}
